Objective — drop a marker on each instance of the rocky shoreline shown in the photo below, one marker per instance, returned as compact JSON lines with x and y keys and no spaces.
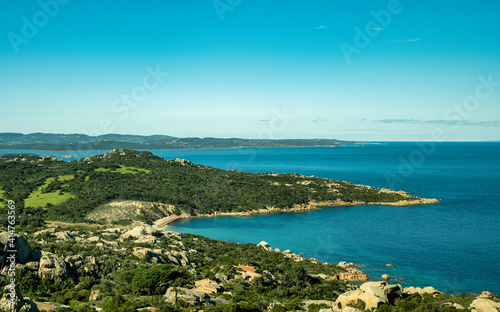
{"x":143,"y":243}
{"x":311,"y":206}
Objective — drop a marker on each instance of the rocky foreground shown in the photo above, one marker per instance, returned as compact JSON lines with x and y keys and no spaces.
{"x":129,"y":268}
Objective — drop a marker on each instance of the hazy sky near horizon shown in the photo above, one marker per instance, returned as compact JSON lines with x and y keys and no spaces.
{"x":353,"y":70}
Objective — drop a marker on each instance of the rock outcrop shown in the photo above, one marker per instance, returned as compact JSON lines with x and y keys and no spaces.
{"x":486,"y":294}
{"x":64,"y":236}
{"x":417,"y":290}
{"x":52,"y":267}
{"x":24,"y":251}
{"x":13,"y":300}
{"x":484,"y":305}
{"x":352,"y":275}
{"x":373,"y":294}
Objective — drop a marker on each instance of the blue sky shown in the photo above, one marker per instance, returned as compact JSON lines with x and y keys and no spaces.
{"x":354,"y":70}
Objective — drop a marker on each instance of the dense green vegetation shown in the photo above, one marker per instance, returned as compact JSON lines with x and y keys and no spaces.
{"x":70,"y":190}
{"x":73,"y":142}
{"x":126,"y":282}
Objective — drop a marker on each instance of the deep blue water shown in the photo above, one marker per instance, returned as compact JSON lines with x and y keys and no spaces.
{"x":453,"y":246}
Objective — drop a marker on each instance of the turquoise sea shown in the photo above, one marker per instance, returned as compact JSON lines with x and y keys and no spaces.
{"x":453,"y":246}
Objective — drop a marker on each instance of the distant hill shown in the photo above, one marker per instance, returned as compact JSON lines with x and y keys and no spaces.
{"x":62,"y":142}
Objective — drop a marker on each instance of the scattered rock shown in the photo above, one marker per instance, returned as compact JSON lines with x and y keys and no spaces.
{"x":147,"y":239}
{"x":93,"y":239}
{"x":455,"y":305}
{"x":95,"y":295}
{"x":307,"y":303}
{"x":192,"y":297}
{"x":48,"y":231}
{"x":386,"y":277}
{"x":65,"y":236}
{"x":389,"y":265}
{"x":141,"y":232}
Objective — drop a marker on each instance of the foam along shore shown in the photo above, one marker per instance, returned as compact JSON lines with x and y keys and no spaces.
{"x":411,"y":201}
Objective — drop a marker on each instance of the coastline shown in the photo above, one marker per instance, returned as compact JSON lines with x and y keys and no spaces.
{"x":163,"y":223}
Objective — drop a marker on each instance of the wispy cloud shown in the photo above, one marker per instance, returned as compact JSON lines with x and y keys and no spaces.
{"x":406,"y":40}
{"x":377,"y":28}
{"x":320,"y":120}
{"x":387,"y":121}
{"x":321,"y":27}
{"x":263,"y":120}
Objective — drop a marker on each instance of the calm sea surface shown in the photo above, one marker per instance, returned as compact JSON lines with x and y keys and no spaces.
{"x":453,"y":246}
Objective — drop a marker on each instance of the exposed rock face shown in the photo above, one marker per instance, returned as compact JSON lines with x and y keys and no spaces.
{"x":65,"y":236}
{"x":487,"y":295}
{"x":484,"y":305}
{"x":12,"y":300}
{"x":208,"y":286}
{"x":417,"y":290}
{"x":373,"y":294}
{"x":52,"y":267}
{"x":139,"y":231}
{"x":24,"y":251}
{"x":352,"y":275}
{"x":265,"y":245}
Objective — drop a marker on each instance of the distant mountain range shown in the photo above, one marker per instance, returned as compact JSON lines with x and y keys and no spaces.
{"x":62,"y":142}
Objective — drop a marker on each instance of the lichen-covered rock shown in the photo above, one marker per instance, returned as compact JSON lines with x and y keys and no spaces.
{"x":12,"y":300}
{"x":52,"y":267}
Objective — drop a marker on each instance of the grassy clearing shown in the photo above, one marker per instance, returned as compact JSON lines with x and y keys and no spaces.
{"x":3,"y":200}
{"x":124,"y":170}
{"x":39,"y":199}
{"x":68,"y":177}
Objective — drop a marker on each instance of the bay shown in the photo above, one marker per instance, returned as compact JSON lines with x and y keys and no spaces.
{"x":453,"y":246}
